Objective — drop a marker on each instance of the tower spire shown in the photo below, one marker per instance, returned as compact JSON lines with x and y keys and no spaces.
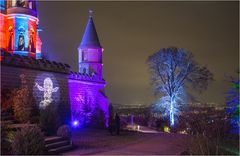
{"x":90,"y":51}
{"x":90,"y":37}
{"x":90,"y":11}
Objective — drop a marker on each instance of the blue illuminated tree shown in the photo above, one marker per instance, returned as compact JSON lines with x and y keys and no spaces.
{"x":233,"y":105}
{"x":173,"y":71}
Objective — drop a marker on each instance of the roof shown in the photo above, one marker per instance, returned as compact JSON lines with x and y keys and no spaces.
{"x":90,"y":37}
{"x":16,"y":60}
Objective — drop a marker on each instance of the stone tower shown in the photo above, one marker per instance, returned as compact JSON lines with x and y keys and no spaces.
{"x":90,"y":51}
{"x":19,"y":28}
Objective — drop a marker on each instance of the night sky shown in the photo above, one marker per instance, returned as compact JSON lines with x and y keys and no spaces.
{"x":131,"y":31}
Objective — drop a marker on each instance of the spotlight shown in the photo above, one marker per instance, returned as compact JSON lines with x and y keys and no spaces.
{"x":75,"y":123}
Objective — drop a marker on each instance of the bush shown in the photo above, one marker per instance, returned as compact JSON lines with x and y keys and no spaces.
{"x":49,"y":119}
{"x":28,"y":141}
{"x":21,"y":105}
{"x":64,"y":131}
{"x":97,"y":119}
{"x":7,"y":136}
{"x":22,"y":101}
{"x":6,"y":99}
{"x":202,"y":145}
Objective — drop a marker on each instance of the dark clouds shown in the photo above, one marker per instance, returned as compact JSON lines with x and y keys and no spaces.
{"x":131,"y":31}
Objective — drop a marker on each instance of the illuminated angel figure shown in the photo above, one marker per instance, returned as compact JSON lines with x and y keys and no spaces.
{"x":48,"y":90}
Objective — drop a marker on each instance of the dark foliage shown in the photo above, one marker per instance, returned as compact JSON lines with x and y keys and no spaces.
{"x":233,"y":105}
{"x":49,"y":119}
{"x":28,"y":141}
{"x":97,"y":119}
{"x":64,"y":131}
{"x":7,"y":136}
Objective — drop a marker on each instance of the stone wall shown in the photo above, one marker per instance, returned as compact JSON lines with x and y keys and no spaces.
{"x":87,"y":94}
{"x":10,"y":79}
{"x":69,"y":91}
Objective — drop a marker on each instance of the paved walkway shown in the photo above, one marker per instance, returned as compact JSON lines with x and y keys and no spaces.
{"x":158,"y":144}
{"x":142,"y":129}
{"x":100,"y":142}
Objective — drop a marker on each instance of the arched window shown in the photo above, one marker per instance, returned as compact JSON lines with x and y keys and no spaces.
{"x":10,"y":41}
{"x":31,"y":46}
{"x":21,"y":42}
{"x":84,"y":56}
{"x":30,"y":4}
{"x":13,"y":4}
{"x":84,"y":70}
{"x":2,"y":5}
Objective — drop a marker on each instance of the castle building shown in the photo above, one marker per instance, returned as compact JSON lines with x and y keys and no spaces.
{"x":87,"y":87}
{"x":19,"y":28}
{"x":79,"y":96}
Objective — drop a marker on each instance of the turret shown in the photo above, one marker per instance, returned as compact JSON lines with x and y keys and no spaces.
{"x":90,"y":51}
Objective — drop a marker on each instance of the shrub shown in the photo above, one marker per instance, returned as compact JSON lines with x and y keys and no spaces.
{"x":64,"y":131}
{"x":28,"y":141}
{"x":210,"y":139}
{"x":7,"y":136}
{"x":6,"y":99}
{"x":22,"y":101}
{"x":49,"y":119}
{"x":22,"y":104}
{"x":97,"y":119}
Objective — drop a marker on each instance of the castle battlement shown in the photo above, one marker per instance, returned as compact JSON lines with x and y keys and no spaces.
{"x":85,"y":77}
{"x":32,"y":63}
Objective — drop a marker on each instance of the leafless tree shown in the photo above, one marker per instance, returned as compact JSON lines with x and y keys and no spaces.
{"x":173,"y":70}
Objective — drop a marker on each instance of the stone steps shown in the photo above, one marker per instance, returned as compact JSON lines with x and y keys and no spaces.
{"x":57,"y":145}
{"x":60,"y":149}
{"x":7,"y":122}
{"x":7,"y":118}
{"x":53,"y":139}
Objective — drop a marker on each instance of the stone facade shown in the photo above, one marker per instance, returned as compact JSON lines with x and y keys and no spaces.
{"x":13,"y":67}
{"x":87,"y":90}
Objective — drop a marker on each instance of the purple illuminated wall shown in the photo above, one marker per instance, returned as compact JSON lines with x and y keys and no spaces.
{"x":86,"y":91}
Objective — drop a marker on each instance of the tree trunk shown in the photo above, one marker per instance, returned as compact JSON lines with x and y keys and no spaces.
{"x":171,"y":112}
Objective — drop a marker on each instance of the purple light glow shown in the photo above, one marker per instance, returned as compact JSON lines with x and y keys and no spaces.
{"x":84,"y":94}
{"x":75,"y":123}
{"x":86,"y":87}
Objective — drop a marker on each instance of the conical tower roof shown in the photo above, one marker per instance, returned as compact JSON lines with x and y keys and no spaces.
{"x":90,"y":37}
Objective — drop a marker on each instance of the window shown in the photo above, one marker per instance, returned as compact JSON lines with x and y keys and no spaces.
{"x":84,"y":70}
{"x":84,"y":56}
{"x":10,"y":41}
{"x":2,"y":4}
{"x":13,"y":3}
{"x":30,"y":5}
{"x":20,"y":3}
